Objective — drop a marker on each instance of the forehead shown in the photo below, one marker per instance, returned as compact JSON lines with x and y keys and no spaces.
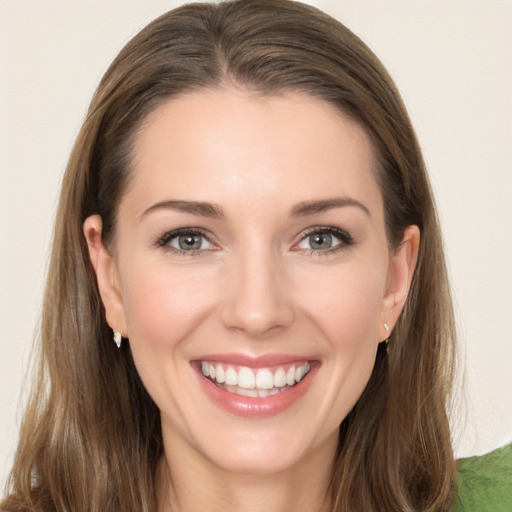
{"x":233,"y":144}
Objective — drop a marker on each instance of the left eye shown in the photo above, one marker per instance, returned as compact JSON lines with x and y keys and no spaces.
{"x":322,"y":241}
{"x":190,"y":242}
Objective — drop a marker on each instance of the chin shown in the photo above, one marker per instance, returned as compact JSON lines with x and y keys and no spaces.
{"x":267,"y":450}
{"x":257,"y":459}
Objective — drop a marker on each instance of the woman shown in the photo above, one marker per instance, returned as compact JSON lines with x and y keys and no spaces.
{"x":247,"y":214}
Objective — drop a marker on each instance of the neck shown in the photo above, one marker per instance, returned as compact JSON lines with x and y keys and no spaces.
{"x":188,"y":484}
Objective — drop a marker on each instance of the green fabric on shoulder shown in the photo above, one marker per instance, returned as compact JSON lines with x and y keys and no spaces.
{"x":484,"y":483}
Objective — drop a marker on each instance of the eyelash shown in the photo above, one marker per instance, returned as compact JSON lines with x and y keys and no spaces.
{"x":345,"y":239}
{"x":164,"y":241}
{"x":343,"y":236}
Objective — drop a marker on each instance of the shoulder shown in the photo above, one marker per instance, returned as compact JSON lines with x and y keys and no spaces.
{"x":484,"y":483}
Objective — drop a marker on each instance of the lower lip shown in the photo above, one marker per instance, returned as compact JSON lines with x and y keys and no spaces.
{"x":257,"y":407}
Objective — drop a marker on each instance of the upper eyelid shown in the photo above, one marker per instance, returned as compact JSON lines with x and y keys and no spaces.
{"x":319,"y":229}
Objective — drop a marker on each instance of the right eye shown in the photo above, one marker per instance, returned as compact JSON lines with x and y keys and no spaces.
{"x":185,"y":241}
{"x":190,"y":242}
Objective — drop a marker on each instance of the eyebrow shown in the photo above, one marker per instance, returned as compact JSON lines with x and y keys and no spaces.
{"x":212,"y":210}
{"x":195,"y":207}
{"x":312,"y":207}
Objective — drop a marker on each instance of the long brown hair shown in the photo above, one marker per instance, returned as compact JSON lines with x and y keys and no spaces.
{"x":90,"y":439}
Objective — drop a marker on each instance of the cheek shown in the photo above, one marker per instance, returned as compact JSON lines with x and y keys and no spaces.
{"x":346,"y":311}
{"x":163,"y":305}
{"x":345,"y":303}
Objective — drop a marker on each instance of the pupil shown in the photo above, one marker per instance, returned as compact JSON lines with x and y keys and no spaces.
{"x":321,"y":241}
{"x":190,"y":242}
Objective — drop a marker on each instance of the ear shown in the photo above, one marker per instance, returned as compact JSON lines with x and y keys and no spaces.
{"x":107,"y":275}
{"x":401,"y":270}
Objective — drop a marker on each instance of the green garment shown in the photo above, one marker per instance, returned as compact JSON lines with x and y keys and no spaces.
{"x":484,"y":483}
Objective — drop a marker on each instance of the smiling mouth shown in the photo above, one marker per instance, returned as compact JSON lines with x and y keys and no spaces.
{"x":255,"y":383}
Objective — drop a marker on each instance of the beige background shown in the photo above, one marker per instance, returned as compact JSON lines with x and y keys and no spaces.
{"x":451,"y":60}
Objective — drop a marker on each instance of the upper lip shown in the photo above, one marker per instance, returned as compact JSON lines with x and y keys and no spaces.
{"x":262,"y":361}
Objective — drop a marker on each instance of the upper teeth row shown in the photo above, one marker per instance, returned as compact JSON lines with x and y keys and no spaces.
{"x":247,"y":378}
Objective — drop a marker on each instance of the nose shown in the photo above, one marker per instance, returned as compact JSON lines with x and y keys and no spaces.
{"x":258,"y":299}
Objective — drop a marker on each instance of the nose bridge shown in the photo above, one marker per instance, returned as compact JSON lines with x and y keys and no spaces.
{"x":256,"y":292}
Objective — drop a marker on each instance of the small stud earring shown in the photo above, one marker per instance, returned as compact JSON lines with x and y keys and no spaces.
{"x":118,"y":339}
{"x":386,"y":326}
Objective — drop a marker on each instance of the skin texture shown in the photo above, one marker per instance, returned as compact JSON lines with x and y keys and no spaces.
{"x":254,"y":288}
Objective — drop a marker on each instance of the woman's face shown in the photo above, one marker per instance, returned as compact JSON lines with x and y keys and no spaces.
{"x":252,"y":275}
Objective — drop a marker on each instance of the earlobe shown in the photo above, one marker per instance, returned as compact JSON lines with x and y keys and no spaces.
{"x":107,"y":275}
{"x":401,"y":270}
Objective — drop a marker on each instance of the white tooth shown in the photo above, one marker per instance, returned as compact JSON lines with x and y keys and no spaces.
{"x":262,"y":393}
{"x":253,"y":393}
{"x":211,"y":370}
{"x":246,"y":378}
{"x":290,"y":376}
{"x":298,"y":374}
{"x":219,"y":374}
{"x":264,"y":379}
{"x":231,"y":377}
{"x":279,"y":378}
{"x":274,"y":391}
{"x":304,"y":370}
{"x":204,"y":368}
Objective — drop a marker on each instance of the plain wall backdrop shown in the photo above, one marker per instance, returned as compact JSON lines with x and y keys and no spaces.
{"x":451,"y":61}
